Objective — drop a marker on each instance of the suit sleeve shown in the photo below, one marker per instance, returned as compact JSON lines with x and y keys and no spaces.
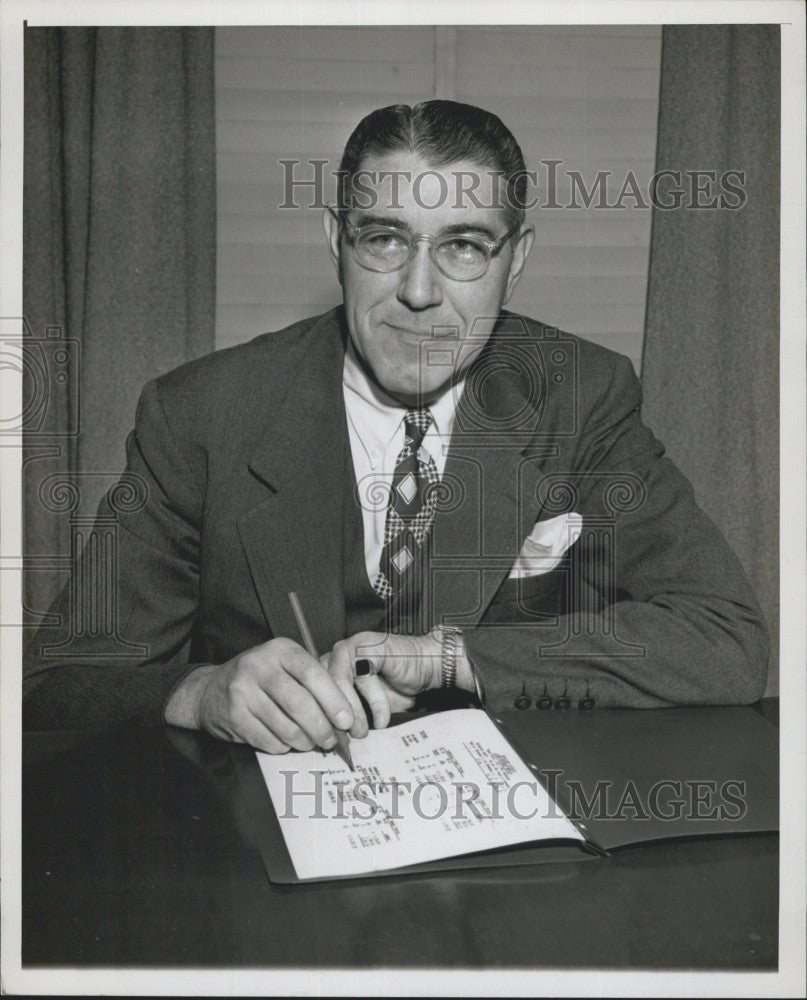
{"x":115,"y":663}
{"x":659,"y":612}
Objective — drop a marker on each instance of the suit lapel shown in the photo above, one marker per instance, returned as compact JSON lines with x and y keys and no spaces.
{"x":492,"y":466}
{"x":293,"y":538}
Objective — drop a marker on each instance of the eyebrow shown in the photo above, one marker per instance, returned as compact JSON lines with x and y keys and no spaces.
{"x":396,"y":223}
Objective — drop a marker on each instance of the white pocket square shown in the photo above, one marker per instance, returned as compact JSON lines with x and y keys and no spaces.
{"x":546,"y":545}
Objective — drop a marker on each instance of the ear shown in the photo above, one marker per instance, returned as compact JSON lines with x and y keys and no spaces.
{"x":332,"y":236}
{"x":520,"y":253}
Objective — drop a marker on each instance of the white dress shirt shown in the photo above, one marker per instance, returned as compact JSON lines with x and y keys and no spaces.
{"x":376,"y":431}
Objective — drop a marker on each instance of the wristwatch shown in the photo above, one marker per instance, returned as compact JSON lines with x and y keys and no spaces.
{"x":450,"y":639}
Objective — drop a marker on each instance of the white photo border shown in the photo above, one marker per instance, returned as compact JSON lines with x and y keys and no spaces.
{"x":789,"y":980}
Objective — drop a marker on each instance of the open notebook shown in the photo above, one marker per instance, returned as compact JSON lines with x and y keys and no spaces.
{"x":436,"y":787}
{"x":461,"y":790}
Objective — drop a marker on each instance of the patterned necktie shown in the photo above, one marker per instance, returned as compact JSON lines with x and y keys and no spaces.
{"x":402,"y":573}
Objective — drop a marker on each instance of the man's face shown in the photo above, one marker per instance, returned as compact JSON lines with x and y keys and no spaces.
{"x":393,"y":316}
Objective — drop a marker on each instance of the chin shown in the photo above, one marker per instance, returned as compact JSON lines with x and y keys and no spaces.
{"x":403,"y":382}
{"x":420,"y":394}
{"x":395,"y":386}
{"x":402,"y":391}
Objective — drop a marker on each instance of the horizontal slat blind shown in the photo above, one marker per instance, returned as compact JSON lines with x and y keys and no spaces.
{"x":283,"y":94}
{"x":585,"y":96}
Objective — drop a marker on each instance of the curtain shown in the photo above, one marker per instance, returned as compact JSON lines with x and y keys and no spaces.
{"x":711,"y":358}
{"x":118,"y":258}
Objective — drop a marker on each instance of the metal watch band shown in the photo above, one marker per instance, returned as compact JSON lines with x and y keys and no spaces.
{"x":450,"y":638}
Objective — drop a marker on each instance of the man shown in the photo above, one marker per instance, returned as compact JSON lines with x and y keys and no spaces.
{"x":460,"y":497}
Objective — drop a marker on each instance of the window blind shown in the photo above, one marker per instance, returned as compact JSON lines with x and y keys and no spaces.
{"x":585,"y":97}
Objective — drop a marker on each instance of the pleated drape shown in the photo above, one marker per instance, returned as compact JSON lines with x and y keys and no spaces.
{"x":119,"y":257}
{"x":711,"y":360}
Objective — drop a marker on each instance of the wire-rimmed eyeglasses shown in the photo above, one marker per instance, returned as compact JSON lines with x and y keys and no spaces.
{"x":459,"y":256}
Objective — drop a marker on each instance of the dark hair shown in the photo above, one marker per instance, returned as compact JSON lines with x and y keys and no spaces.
{"x":442,"y":132}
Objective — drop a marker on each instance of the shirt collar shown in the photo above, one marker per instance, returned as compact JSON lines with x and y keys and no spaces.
{"x":376,"y":416}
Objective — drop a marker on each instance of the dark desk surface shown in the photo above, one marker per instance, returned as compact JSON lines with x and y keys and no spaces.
{"x":137,"y":851}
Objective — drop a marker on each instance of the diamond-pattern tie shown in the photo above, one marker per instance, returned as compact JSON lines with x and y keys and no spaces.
{"x":402,"y":572}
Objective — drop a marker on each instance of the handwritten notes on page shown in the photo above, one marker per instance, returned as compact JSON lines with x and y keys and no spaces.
{"x":436,"y":787}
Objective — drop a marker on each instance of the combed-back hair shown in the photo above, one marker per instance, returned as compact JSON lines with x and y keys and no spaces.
{"x":441,"y":132}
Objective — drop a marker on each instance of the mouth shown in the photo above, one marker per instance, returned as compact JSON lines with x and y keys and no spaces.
{"x":413,"y":333}
{"x":408,"y":331}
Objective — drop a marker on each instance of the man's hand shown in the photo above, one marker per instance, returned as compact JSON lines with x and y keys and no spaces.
{"x":274,"y":697}
{"x":401,"y":667}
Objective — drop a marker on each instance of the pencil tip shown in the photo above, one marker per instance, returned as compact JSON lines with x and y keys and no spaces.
{"x":343,"y":748}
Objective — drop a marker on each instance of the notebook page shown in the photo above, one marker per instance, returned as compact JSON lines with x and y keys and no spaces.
{"x":439,"y":786}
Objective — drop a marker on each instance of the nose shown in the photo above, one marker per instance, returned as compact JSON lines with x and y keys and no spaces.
{"x":420,"y":284}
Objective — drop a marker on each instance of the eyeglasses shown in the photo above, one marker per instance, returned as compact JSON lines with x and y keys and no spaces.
{"x":459,"y":256}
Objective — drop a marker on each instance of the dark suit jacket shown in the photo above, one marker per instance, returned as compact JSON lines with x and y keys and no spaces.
{"x":236,"y":462}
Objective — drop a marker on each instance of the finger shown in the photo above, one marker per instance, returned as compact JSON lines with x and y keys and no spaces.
{"x":374,"y":693}
{"x":283,"y":727}
{"x":360,"y":728}
{"x":364,"y":668}
{"x":370,"y":651}
{"x":317,"y":681}
{"x":252,"y":717}
{"x":399,"y":702}
{"x":249,"y":696}
{"x":340,"y":666}
{"x":255,"y":733}
{"x":303,"y":708}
